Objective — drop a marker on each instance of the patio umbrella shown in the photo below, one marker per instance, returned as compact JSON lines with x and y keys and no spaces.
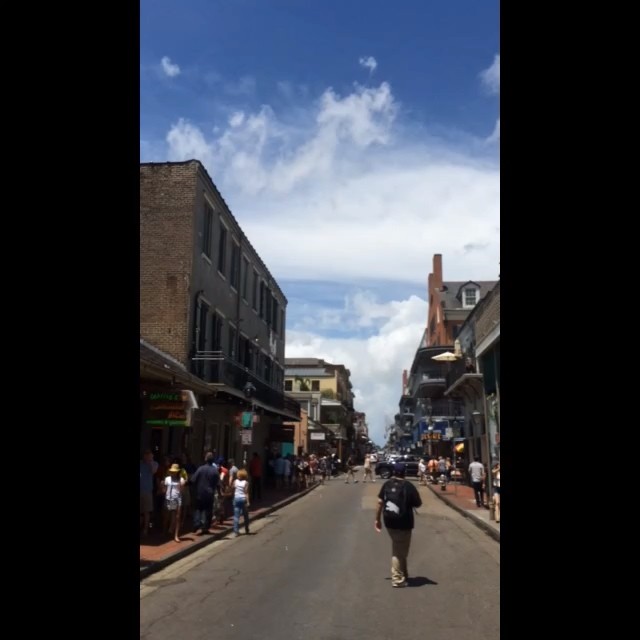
{"x":447,"y":356}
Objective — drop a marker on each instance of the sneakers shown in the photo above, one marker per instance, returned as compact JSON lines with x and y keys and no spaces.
{"x":400,"y":585}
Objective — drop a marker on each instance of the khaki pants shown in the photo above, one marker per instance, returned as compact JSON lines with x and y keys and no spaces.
{"x":400,"y":543}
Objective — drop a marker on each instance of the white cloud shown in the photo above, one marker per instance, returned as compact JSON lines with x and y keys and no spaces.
{"x":347,"y":189}
{"x":491,"y":76}
{"x":236,"y":119}
{"x":371,"y":197}
{"x":169,"y":68}
{"x":369,"y":62}
{"x":376,"y":363}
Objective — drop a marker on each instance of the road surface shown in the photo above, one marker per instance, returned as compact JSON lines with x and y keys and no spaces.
{"x":317,"y":570}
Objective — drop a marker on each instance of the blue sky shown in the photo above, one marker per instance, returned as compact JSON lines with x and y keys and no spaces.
{"x":363,"y":136}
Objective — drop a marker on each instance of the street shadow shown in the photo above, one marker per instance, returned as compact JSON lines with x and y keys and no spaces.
{"x":419,"y":581}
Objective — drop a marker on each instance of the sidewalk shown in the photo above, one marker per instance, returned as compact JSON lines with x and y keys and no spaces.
{"x":461,"y":498}
{"x":158,"y":550}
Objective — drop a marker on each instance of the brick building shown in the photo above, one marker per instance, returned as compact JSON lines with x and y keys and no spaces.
{"x":208,"y":301}
{"x":450,"y":302}
{"x":428,"y":420}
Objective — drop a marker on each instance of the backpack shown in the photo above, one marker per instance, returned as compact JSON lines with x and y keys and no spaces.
{"x":395,"y":500}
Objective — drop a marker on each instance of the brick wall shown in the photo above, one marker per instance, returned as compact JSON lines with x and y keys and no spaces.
{"x":489,"y":317}
{"x":167,"y":200}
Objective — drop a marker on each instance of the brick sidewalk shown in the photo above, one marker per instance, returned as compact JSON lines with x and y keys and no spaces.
{"x":462,"y":498}
{"x":159,"y":547}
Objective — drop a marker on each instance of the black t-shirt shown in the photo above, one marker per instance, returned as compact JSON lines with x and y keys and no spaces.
{"x":413,"y":501}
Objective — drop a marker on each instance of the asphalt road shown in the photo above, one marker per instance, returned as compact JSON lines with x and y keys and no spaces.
{"x":318,"y":570}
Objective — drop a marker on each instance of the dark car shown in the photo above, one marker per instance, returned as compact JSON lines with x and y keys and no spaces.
{"x":385,"y":469}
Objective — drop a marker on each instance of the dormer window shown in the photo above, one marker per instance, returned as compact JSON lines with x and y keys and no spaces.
{"x":470,"y":296}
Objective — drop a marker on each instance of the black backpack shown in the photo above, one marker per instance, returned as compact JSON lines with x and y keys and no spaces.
{"x":395,"y":500}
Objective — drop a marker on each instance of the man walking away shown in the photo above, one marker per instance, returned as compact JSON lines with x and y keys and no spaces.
{"x":396,"y":501}
{"x":476,"y":473}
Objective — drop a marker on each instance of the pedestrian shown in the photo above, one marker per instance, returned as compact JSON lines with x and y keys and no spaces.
{"x":477,"y":475}
{"x":367,"y":469}
{"x":148,"y":467}
{"x":496,"y":491}
{"x":205,"y":483}
{"x":396,"y":501}
{"x":350,"y":470}
{"x":422,"y":472}
{"x":173,"y":486}
{"x":240,"y":487}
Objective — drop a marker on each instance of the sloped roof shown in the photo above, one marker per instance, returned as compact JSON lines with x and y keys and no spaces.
{"x":451,"y":288}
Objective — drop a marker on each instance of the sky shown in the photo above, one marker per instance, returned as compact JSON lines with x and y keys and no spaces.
{"x":352,"y":141}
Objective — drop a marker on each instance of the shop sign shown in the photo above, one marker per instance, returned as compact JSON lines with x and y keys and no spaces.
{"x":169,"y":408}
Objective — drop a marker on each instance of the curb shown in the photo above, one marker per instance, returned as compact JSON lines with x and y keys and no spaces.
{"x":158,"y":565}
{"x":487,"y":528}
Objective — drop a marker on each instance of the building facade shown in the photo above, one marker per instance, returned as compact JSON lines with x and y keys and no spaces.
{"x":429,"y":422}
{"x":328,"y":390}
{"x":208,"y":300}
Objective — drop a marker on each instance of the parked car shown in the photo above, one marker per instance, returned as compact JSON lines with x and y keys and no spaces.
{"x":385,"y":469}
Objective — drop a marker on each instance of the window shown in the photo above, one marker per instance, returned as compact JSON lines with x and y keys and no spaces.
{"x":315,"y":385}
{"x":246,"y":353}
{"x":245,"y":279}
{"x":282,"y":322}
{"x":267,"y":369}
{"x":232,"y":341}
{"x":262,"y":300}
{"x":288,"y":385}
{"x":269,"y":300}
{"x":207,"y":229}
{"x":234,"y":277}
{"x":275,"y":316}
{"x":470,"y":297}
{"x":222,"y":249}
{"x":216,"y":333}
{"x":256,"y":277}
{"x":200,"y":334}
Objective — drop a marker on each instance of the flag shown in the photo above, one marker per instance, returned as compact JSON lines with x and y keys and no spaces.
{"x":459,"y":447}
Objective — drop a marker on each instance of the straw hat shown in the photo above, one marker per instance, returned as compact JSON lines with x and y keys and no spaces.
{"x":175,"y":468}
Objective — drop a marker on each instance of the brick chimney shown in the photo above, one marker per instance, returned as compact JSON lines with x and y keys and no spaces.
{"x":405,"y":382}
{"x":437,"y":271}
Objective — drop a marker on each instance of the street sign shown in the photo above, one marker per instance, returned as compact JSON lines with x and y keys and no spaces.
{"x":449,"y":433}
{"x":247,"y":436}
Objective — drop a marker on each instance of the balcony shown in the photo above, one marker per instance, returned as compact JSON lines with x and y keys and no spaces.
{"x":216,"y":368}
{"x":427,"y":383}
{"x":442,"y":408}
{"x":463,"y":378}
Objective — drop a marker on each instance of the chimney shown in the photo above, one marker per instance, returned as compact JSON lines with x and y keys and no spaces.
{"x":405,"y":380}
{"x":437,"y":271}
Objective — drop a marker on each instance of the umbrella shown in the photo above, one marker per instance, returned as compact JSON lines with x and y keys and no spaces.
{"x":447,"y":356}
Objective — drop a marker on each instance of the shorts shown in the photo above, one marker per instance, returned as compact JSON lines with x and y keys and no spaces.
{"x":146,"y":502}
{"x":173,"y":504}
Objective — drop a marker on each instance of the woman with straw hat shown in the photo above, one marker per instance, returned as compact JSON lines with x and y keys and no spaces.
{"x":173,"y":487}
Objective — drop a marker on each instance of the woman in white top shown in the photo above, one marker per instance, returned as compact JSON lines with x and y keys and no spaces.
{"x":240,"y":487}
{"x":173,"y":487}
{"x":422,"y":472}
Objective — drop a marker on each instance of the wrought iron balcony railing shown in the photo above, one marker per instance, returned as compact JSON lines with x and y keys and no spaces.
{"x":217,"y":368}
